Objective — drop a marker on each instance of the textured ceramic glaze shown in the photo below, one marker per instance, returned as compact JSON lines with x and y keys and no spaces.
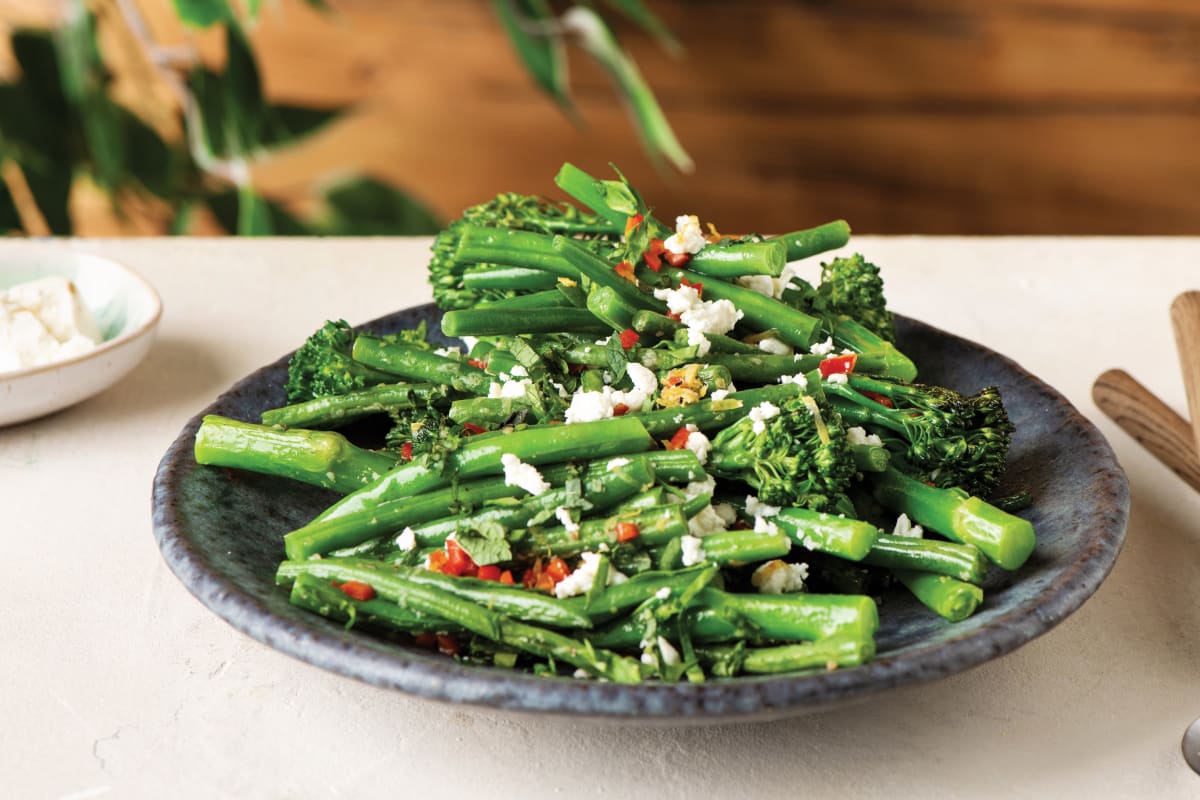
{"x":221,"y":533}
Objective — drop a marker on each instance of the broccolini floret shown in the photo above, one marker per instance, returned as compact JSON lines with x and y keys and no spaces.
{"x":798,"y":457}
{"x":851,"y":286}
{"x":323,"y":366}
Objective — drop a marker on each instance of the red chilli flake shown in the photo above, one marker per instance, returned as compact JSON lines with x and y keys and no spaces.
{"x":632,"y":223}
{"x":698,"y":286}
{"x":676,"y":259}
{"x":473,"y":429}
{"x":838,"y":365}
{"x":629,"y":337}
{"x":674,"y":316}
{"x":406,"y":451}
{"x":447,"y":645}
{"x":679,"y":440}
{"x":653,"y":254}
{"x":883,"y":400}
{"x":357,"y":590}
{"x":620,"y":409}
{"x":475,"y":362}
{"x":489,"y":572}
{"x":627,"y":531}
{"x":625,"y":270}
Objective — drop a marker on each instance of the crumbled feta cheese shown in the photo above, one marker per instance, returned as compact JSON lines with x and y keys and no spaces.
{"x":697,"y":339}
{"x":407,"y":540}
{"x":566,"y":520}
{"x":858,"y":435}
{"x":726,"y":512}
{"x":617,"y":463}
{"x":447,"y":352}
{"x":779,"y":577}
{"x":698,"y":443}
{"x":718,"y":394}
{"x":663,"y":593}
{"x":708,"y":521}
{"x":519,"y":371}
{"x":592,"y":406}
{"x":822,"y":348}
{"x":799,"y":379}
{"x":763,"y":284}
{"x":526,"y":476}
{"x":469,"y":342}
{"x":603,"y":342}
{"x":562,"y":390}
{"x":693,"y":550}
{"x":755,"y":508}
{"x":670,"y":655}
{"x":644,"y":380}
{"x":509,"y":387}
{"x":775,"y":346}
{"x":697,"y":488}
{"x":581,"y":673}
{"x":761,"y":413}
{"x":44,"y":321}
{"x":706,"y":316}
{"x":688,"y":238}
{"x":838,"y":377}
{"x":584,"y":575}
{"x":764,"y":525}
{"x":904,"y":527}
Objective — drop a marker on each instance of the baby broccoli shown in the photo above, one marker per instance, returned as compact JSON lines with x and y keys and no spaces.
{"x":944,"y":437}
{"x":799,"y":457}
{"x":852,"y":287}
{"x":323,"y":366}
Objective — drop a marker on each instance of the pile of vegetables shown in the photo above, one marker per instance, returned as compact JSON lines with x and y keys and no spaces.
{"x":659,"y":453}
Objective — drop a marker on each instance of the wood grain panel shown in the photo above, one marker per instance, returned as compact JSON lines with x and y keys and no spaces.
{"x":1014,"y":116}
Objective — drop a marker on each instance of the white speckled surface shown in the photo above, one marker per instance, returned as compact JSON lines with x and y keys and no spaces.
{"x":116,"y":683}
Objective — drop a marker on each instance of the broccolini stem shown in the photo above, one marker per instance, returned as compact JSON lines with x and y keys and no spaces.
{"x":823,"y":654}
{"x":496,"y":322}
{"x":712,"y":414}
{"x":318,"y":458}
{"x":416,"y":364}
{"x":850,"y":334}
{"x":608,"y":305}
{"x":318,"y":595}
{"x":1005,"y":539}
{"x":744,"y":258}
{"x":511,"y":248}
{"x":870,"y":458}
{"x":587,"y":190}
{"x":949,"y":598}
{"x":520,"y":279}
{"x":725,"y":547}
{"x":656,"y":526}
{"x":843,"y":537}
{"x":962,"y":561}
{"x":486,"y":410}
{"x":601,"y":272}
{"x":759,"y":311}
{"x":334,"y":410}
{"x":550,"y":298}
{"x":811,"y":241}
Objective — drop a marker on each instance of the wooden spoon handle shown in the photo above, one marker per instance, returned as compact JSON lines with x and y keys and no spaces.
{"x":1185,"y":318}
{"x":1150,"y":421}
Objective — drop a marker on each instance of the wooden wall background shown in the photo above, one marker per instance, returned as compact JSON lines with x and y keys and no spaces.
{"x":902,"y":116}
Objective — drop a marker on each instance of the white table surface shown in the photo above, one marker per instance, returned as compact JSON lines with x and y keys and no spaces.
{"x":115,"y":682}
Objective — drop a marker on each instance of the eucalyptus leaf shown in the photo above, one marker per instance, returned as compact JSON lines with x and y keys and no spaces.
{"x":203,"y":13}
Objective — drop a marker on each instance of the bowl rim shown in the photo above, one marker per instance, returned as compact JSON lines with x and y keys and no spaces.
{"x":117,"y":341}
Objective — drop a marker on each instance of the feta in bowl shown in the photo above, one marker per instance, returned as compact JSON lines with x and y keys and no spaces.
{"x":71,"y":325}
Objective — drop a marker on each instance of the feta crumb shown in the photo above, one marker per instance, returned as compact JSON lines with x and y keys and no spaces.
{"x":44,"y":321}
{"x":469,"y":342}
{"x":775,"y":346}
{"x":779,"y":577}
{"x":581,"y":673}
{"x":708,"y":521}
{"x":697,"y":488}
{"x":688,"y":238}
{"x":407,"y":540}
{"x":822,"y":348}
{"x":755,"y":508}
{"x":693,"y":551}
{"x":697,"y":339}
{"x":838,"y":377}
{"x":525,"y":476}
{"x":761,"y":413}
{"x":763,"y":284}
{"x":663,"y":593}
{"x":800,"y":379}
{"x":617,"y":463}
{"x":726,"y":512}
{"x":584,"y":575}
{"x":764,"y":525}
{"x":519,"y":371}
{"x":698,"y":443}
{"x":566,"y":520}
{"x":592,"y":406}
{"x":858,"y":435}
{"x":670,"y":655}
{"x":509,"y":387}
{"x":719,"y":394}
{"x":644,"y":380}
{"x":704,"y":316}
{"x":447,"y":352}
{"x":904,"y":527}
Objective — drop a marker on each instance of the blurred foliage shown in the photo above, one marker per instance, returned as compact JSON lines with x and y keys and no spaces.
{"x":59,"y":122}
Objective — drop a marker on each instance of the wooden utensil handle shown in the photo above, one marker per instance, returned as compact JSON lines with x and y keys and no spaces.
{"x":1152,"y":422}
{"x":1185,"y":318}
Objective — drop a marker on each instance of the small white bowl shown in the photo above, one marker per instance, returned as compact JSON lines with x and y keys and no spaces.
{"x":126,"y":309}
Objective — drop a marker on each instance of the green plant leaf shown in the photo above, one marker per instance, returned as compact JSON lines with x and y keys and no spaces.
{"x":224,"y":206}
{"x":51,"y":188}
{"x":148,"y":158}
{"x":244,"y":104}
{"x":35,"y":53}
{"x":10,"y":220}
{"x":640,"y":14}
{"x":203,"y":13}
{"x":369,"y":207}
{"x":485,"y":543}
{"x":598,"y":41}
{"x":206,"y":89}
{"x":529,"y":26}
{"x":254,"y":216}
{"x":286,"y":124}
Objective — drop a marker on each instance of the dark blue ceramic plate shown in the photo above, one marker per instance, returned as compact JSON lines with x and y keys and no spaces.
{"x":221,"y":533}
